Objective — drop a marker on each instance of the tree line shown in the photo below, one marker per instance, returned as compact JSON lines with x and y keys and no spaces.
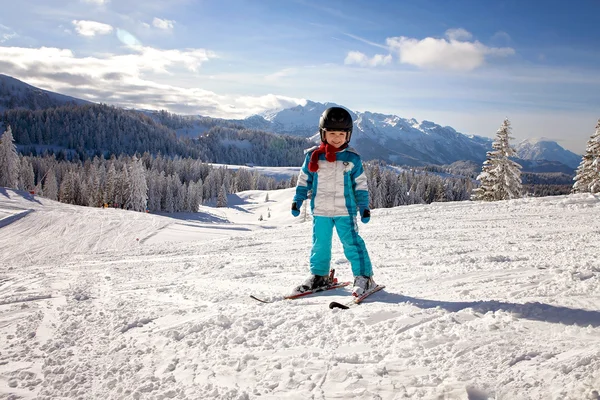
{"x":79,"y":132}
{"x":501,"y":178}
{"x":174,"y":184}
{"x":587,"y":176}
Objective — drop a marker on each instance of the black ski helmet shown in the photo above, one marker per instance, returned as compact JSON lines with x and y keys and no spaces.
{"x":335,"y":119}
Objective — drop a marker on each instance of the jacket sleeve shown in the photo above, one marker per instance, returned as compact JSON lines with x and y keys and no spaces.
{"x":359,"y":185}
{"x":305,"y":181}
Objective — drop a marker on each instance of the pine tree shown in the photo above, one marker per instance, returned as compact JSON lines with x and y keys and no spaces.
{"x":243,"y":180}
{"x":222,"y":199}
{"x":26,"y":175}
{"x":110,"y":185}
{"x":67,"y":192}
{"x":9,"y":160}
{"x":122,"y":187}
{"x":137,"y":199}
{"x":50,"y":186}
{"x":487,"y":180}
{"x":587,"y":177}
{"x":500,"y":177}
{"x":194,"y":196}
{"x":154,"y":191}
{"x":94,"y":187}
{"x":169,"y":205}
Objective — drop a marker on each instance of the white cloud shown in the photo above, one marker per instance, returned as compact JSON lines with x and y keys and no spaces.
{"x":284,"y":73}
{"x":501,"y":37}
{"x":164,"y":24}
{"x":458,"y":34}
{"x":142,"y":59}
{"x":6,"y":33}
{"x":257,"y":104}
{"x":98,"y":2}
{"x":91,"y":28}
{"x":128,"y":80}
{"x":449,"y":54}
{"x":356,"y":57}
{"x":158,"y":60}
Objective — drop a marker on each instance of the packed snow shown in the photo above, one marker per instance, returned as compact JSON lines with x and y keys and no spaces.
{"x":482,"y":301}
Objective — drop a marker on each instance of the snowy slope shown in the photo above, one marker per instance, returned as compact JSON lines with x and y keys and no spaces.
{"x":483,"y":301}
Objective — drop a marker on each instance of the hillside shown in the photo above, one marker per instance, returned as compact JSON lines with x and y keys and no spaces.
{"x":95,"y":129}
{"x":109,"y":304}
{"x":16,"y":94}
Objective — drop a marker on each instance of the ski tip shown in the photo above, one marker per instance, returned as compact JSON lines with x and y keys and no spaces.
{"x":261,"y":300}
{"x":335,"y":304}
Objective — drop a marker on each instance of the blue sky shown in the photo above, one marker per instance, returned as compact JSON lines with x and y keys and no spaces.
{"x":466,"y":64}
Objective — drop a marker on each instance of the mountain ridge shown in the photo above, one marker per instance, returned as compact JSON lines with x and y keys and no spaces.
{"x":406,"y":141}
{"x":18,"y":94}
{"x":386,"y":137}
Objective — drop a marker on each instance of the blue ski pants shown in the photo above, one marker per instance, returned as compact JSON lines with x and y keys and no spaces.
{"x":354,"y":246}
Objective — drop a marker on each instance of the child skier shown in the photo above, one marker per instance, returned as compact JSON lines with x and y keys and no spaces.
{"x":334,"y":173}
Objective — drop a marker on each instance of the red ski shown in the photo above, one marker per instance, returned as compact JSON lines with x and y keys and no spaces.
{"x":356,"y":300}
{"x":334,"y":285}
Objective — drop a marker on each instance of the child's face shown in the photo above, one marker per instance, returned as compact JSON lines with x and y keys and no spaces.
{"x":335,"y":138}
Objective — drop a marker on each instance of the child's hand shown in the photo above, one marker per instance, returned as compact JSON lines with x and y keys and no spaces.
{"x":365,"y":215}
{"x":296,"y":205}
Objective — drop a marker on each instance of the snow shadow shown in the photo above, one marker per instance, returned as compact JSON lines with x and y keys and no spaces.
{"x":9,"y":220}
{"x":196,"y":217}
{"x":533,"y":311}
{"x":25,"y":195}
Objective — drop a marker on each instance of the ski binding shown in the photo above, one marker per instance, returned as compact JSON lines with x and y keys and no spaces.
{"x":334,"y":285}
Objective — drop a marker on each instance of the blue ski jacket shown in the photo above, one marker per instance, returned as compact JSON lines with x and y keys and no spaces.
{"x":339,"y":188}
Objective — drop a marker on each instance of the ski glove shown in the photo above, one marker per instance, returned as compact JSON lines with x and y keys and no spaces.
{"x":296,"y":205}
{"x":365,"y":215}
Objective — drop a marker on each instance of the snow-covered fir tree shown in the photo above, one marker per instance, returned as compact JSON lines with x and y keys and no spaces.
{"x":70,"y":188}
{"x":138,"y":188}
{"x":243,"y":180}
{"x":26,"y":175}
{"x":9,"y":160}
{"x":110,"y":185}
{"x":176,"y":184}
{"x":194,"y":196}
{"x":222,"y":198}
{"x":587,"y":177}
{"x":500,"y":176}
{"x":50,"y":186}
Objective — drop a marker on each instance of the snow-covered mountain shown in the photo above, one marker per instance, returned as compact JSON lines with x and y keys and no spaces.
{"x":406,"y":141}
{"x":544,"y":149}
{"x":17,"y":94}
{"x":376,"y":136}
{"x":379,"y":136}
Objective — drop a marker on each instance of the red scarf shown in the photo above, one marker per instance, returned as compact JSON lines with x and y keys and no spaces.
{"x":328,"y":150}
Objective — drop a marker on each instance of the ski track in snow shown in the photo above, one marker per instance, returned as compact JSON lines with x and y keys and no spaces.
{"x":483,"y":301}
